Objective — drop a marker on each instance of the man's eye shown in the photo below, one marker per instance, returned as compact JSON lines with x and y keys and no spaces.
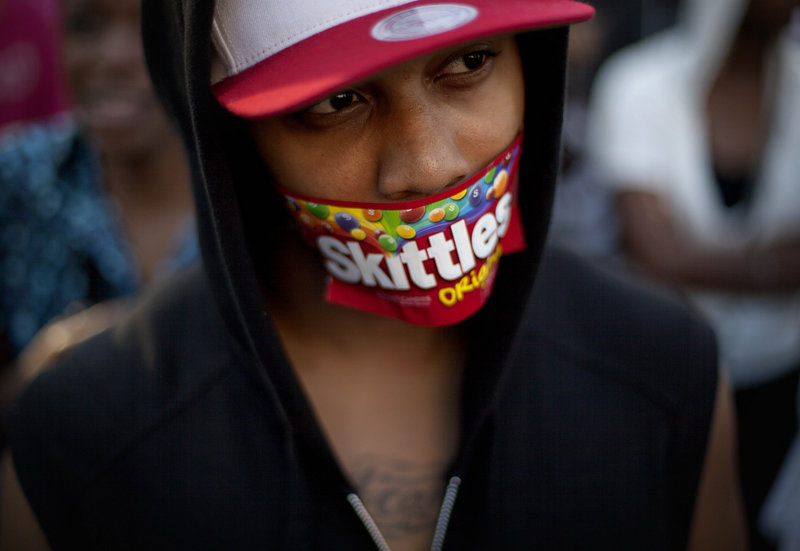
{"x":336,"y":102}
{"x":468,"y":63}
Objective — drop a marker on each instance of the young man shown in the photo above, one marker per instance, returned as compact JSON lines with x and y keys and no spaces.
{"x":392,"y":361}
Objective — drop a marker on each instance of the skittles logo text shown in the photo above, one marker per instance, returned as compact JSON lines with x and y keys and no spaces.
{"x":348,"y":261}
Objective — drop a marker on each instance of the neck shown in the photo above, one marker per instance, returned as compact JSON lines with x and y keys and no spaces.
{"x":299,"y":310}
{"x":386,"y":393}
{"x":157,"y":179}
{"x":152,"y":196}
{"x":746,"y":56}
{"x":751,"y":45}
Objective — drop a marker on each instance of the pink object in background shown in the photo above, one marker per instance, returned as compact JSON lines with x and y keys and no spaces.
{"x":31,"y":82}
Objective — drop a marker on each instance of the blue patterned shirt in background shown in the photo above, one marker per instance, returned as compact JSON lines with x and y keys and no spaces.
{"x":61,"y":246}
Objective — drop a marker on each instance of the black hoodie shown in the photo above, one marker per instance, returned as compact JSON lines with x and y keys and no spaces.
{"x":586,"y":402}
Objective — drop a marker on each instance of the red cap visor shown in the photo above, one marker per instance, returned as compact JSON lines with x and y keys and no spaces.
{"x":347,"y":54}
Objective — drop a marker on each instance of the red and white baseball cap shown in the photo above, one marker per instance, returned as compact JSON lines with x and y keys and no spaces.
{"x":277,"y":56}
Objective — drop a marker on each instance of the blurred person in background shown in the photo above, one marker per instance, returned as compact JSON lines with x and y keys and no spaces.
{"x":31,"y":82}
{"x":95,"y":206}
{"x":698,"y":133}
{"x":584,"y":218}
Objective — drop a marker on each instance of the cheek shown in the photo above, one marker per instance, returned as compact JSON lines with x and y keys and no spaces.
{"x":493,"y":122}
{"x":510,"y":98}
{"x":313,"y":165}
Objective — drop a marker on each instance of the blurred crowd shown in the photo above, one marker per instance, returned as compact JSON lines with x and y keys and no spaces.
{"x":95,"y":203}
{"x":680,"y":166}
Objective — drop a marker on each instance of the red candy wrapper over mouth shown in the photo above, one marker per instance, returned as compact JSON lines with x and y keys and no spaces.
{"x":431,"y":261}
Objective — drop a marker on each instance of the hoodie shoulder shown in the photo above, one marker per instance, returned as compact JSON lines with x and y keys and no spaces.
{"x":110,"y":391}
{"x":624,"y":329}
{"x":117,"y":436}
{"x":611,"y":392}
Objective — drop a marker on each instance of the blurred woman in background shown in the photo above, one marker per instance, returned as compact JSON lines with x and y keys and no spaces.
{"x":698,"y":132}
{"x":95,"y":206}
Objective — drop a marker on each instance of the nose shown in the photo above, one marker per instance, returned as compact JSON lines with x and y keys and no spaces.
{"x":420,"y":153}
{"x":121,"y":47}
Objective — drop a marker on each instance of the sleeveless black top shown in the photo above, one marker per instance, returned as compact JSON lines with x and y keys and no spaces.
{"x":161,"y":434}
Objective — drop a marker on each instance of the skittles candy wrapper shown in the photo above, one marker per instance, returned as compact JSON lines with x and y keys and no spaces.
{"x":431,"y":261}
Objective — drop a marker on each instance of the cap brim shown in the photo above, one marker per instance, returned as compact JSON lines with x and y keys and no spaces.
{"x":347,"y":54}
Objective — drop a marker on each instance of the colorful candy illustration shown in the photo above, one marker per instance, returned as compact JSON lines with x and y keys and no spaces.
{"x":389,"y":229}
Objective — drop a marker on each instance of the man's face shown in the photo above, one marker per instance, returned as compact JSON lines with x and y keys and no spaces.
{"x":404,"y":135}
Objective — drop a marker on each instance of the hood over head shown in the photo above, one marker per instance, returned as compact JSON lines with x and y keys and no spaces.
{"x":238,"y":221}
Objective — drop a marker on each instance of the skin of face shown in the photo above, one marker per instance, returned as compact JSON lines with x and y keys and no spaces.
{"x":105,"y":66}
{"x":406,"y":134}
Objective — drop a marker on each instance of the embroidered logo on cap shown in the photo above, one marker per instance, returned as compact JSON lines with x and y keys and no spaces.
{"x":423,"y":21}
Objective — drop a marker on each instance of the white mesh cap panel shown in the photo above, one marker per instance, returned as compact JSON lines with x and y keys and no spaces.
{"x":248,"y":31}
